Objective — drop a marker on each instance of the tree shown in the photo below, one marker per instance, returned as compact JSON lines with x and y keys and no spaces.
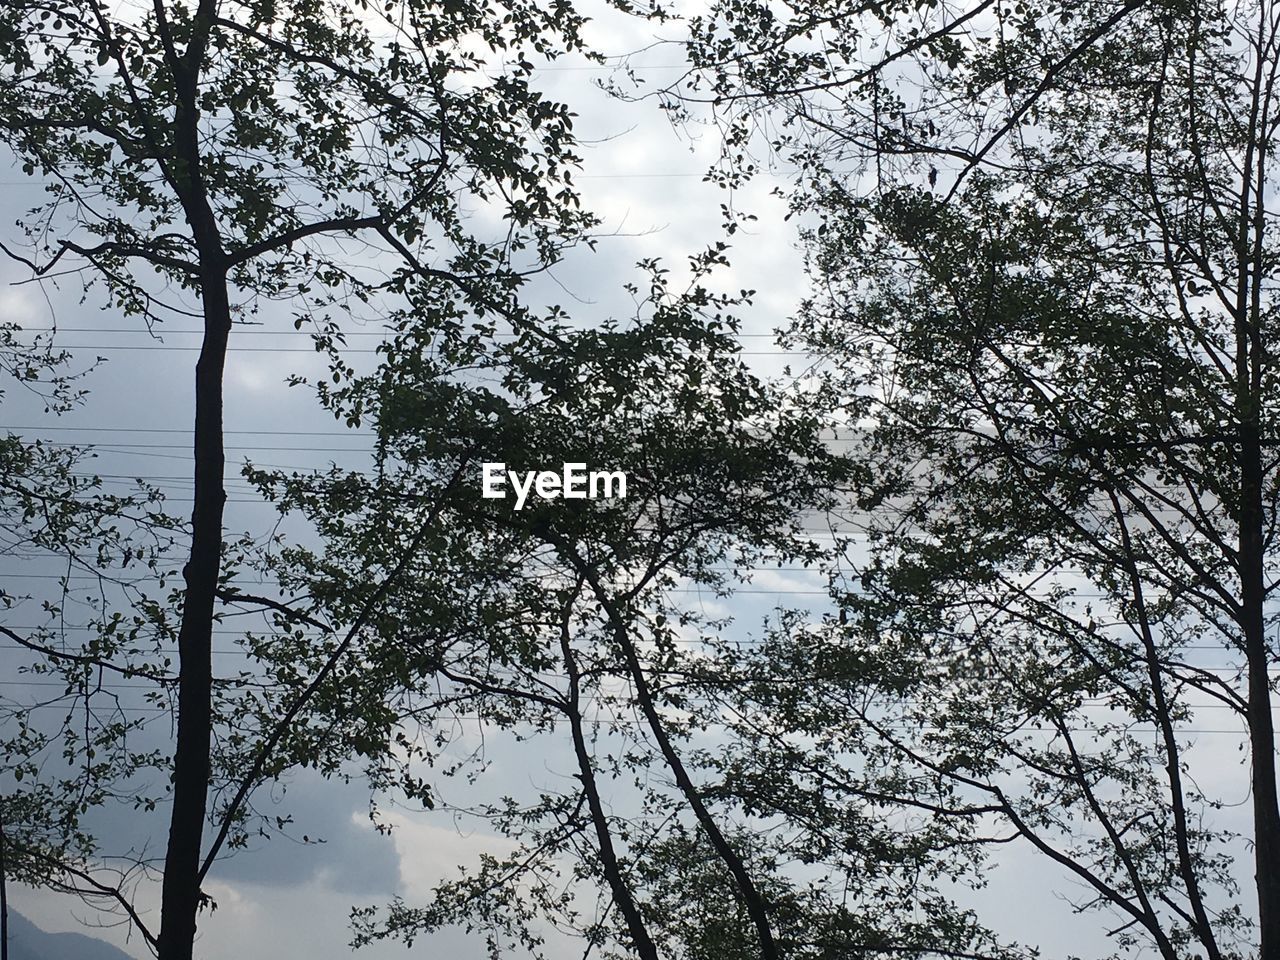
{"x":543,"y":619}
{"x":563,"y":625}
{"x":215,"y":160}
{"x":1040,"y":241}
{"x":121,"y":543}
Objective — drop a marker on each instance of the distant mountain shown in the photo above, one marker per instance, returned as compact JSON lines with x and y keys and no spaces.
{"x":29,"y":942}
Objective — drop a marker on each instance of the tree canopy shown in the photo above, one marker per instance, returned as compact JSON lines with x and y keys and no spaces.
{"x":1039,"y":241}
{"x":1025,"y":459}
{"x":224,"y":163}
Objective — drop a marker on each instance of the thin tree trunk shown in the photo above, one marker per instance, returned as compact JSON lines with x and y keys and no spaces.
{"x":4,"y":890}
{"x":180,"y":897}
{"x":180,"y":894}
{"x":1266,"y":808}
{"x":1250,"y":356}
{"x":1165,"y":724}
{"x":640,"y":938}
{"x":757,"y":907}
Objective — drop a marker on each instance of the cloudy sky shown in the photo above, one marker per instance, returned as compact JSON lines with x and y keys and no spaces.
{"x":289,"y":899}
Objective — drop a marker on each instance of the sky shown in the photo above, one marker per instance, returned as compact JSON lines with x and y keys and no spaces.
{"x":644,"y":179}
{"x":290,"y":900}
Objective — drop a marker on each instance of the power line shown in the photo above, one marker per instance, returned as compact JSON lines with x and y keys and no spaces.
{"x":719,"y":642}
{"x":319,"y":353}
{"x":705,"y":723}
{"x":187,"y":431}
{"x":187,"y":446}
{"x":241,"y":330}
{"x":785,"y":590}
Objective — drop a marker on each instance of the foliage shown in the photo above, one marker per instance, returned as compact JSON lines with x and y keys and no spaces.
{"x":75,"y":748}
{"x":563,"y":624}
{"x":265,"y":162}
{"x":1039,"y":242}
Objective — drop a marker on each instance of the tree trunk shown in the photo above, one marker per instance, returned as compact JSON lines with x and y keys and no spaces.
{"x":180,"y":898}
{"x":180,"y":894}
{"x":4,"y":891}
{"x":757,"y":906}
{"x":1266,"y":809}
{"x":1250,"y":358}
{"x":640,"y":938}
